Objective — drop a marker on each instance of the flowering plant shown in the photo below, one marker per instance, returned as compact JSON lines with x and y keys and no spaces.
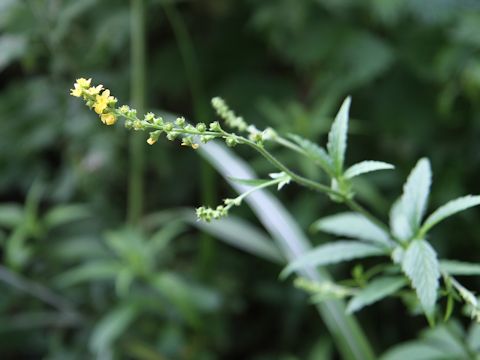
{"x":411,"y":262}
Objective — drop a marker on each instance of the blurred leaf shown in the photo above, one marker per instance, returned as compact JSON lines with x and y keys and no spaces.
{"x":375,"y":291}
{"x":17,"y":251}
{"x":453,"y":267}
{"x":416,"y":350}
{"x":11,"y":215}
{"x":110,"y":327}
{"x":186,"y":298}
{"x":90,"y":271}
{"x":421,"y":266}
{"x":12,"y":47}
{"x":332,"y":253}
{"x":352,"y":225}
{"x":61,"y":215}
{"x":366,"y":167}
{"x":249,"y":182}
{"x":240,"y":234}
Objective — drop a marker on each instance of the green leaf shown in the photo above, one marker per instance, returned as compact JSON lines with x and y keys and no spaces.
{"x":11,"y":215}
{"x":450,"y":208}
{"x":351,"y":340}
{"x":421,"y":266}
{"x":333,"y":253}
{"x":375,"y":291}
{"x":249,"y":182}
{"x":407,"y":212}
{"x":337,"y":137}
{"x":399,"y":224}
{"x":64,"y":214}
{"x":366,"y":167}
{"x":12,"y":47}
{"x":111,"y":327}
{"x":315,"y":153}
{"x":352,"y":225}
{"x":417,"y":350}
{"x":93,"y":270}
{"x":453,"y":267}
{"x":240,"y":234}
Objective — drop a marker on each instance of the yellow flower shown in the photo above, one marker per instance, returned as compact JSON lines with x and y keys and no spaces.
{"x":79,"y":86}
{"x":84,"y":83}
{"x":77,"y":91}
{"x":102,"y":101}
{"x":108,"y":119}
{"x":94,"y":90}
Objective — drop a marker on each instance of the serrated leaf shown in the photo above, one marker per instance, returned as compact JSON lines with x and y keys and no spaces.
{"x":375,"y":291}
{"x":366,"y":167}
{"x":315,"y":153}
{"x":337,"y":137}
{"x":453,"y":267}
{"x":407,"y":212}
{"x":249,"y":182}
{"x":415,"y":194}
{"x":352,"y":225}
{"x":333,"y":253}
{"x":421,"y":266}
{"x":450,"y":208}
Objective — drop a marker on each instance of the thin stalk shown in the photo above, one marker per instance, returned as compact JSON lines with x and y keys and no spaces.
{"x":207,"y":175}
{"x":135,"y":185}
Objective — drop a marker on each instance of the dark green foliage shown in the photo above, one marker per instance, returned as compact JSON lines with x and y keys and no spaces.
{"x":75,"y":281}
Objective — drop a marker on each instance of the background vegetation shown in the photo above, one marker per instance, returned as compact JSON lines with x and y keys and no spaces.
{"x":78,"y":279}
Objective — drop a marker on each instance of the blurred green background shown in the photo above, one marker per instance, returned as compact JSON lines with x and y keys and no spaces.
{"x":78,"y":282}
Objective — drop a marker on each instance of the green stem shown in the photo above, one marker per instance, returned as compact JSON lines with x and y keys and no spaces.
{"x":207,"y":175}
{"x":135,"y":185}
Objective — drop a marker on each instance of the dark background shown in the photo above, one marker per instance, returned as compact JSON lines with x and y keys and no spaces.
{"x":411,"y":67}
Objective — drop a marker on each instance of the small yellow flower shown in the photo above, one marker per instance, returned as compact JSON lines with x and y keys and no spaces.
{"x":108,"y":119}
{"x":94,"y":90}
{"x":102,"y":101}
{"x":77,"y":91}
{"x":84,"y":83}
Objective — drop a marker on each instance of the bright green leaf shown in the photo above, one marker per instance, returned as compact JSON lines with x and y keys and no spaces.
{"x":352,"y":225}
{"x":450,"y":208}
{"x":337,"y":137}
{"x":375,"y":291}
{"x":366,"y":167}
{"x":421,"y":266}
{"x":333,"y":253}
{"x":415,"y":193}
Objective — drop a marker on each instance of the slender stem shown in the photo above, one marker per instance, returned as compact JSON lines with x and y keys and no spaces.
{"x":135,"y":189}
{"x":207,"y":175}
